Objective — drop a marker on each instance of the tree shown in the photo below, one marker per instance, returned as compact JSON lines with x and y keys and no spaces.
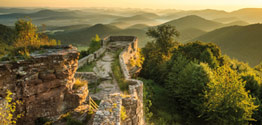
{"x":186,"y":82}
{"x":28,"y":38}
{"x":227,"y":101}
{"x":95,"y":44}
{"x":201,"y":52}
{"x":157,"y":52}
{"x":253,"y":83}
{"x":26,"y":34}
{"x":164,"y":36}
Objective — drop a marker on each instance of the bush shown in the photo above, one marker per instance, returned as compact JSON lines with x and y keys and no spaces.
{"x":201,"y":52}
{"x":7,"y":110}
{"x":28,"y":39}
{"x":186,"y":87}
{"x":123,"y":113}
{"x":79,"y":83}
{"x":227,"y":102}
{"x":42,"y":121}
{"x":95,"y":44}
{"x":118,"y":75}
{"x":69,"y":120}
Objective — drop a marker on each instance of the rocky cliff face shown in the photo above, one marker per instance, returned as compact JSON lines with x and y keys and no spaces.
{"x":44,"y":83}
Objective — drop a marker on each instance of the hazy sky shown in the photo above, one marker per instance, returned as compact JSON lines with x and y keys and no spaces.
{"x":154,"y":4}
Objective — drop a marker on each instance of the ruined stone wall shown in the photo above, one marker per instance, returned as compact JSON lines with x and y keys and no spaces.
{"x":92,"y":57}
{"x":44,"y":83}
{"x":109,"y":112}
{"x":91,"y":77}
{"x":133,"y":103}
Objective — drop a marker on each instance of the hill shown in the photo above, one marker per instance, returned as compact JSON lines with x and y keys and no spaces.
{"x":6,"y":35}
{"x":249,"y":14}
{"x":59,"y":17}
{"x":139,"y":26}
{"x":84,"y":35}
{"x":238,"y":23}
{"x":190,"y":33}
{"x":207,"y":13}
{"x":241,"y":42}
{"x":194,"y":21}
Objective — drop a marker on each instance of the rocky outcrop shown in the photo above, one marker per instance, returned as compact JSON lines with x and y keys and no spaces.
{"x":44,"y":83}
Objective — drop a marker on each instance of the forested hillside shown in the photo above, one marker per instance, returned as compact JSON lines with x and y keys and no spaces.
{"x":196,"y":22}
{"x":240,"y":42}
{"x":84,"y":35}
{"x":194,"y":83}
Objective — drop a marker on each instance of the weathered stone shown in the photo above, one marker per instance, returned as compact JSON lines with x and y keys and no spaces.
{"x":34,"y":82}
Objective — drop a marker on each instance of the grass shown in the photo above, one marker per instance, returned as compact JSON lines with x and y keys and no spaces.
{"x":87,"y":67}
{"x":118,"y":75}
{"x":93,"y":87}
{"x":79,"y":83}
{"x":81,"y":48}
{"x":70,"y":120}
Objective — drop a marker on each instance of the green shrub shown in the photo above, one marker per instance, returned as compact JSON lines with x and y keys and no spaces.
{"x":227,"y":102}
{"x":123,"y":113}
{"x":79,"y":83}
{"x":118,"y":75}
{"x":88,"y":67}
{"x":42,"y":121}
{"x":95,"y":44}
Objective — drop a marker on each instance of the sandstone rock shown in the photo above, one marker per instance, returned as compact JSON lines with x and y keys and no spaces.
{"x":43,"y":83}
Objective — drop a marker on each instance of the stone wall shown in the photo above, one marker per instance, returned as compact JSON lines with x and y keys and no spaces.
{"x":44,"y":83}
{"x":133,"y":103}
{"x":91,"y":77}
{"x":109,"y":112}
{"x":92,"y":57}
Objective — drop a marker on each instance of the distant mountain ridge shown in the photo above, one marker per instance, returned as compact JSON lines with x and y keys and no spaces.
{"x":241,"y":42}
{"x":84,"y":35}
{"x":193,"y":21}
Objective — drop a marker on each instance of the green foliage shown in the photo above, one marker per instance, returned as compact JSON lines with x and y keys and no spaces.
{"x":138,"y":61}
{"x":123,"y":113}
{"x":95,"y":44}
{"x":79,"y":83}
{"x":7,"y":110}
{"x":201,"y":52}
{"x":42,"y":121}
{"x":7,"y":35}
{"x":253,"y":83}
{"x":147,"y":99}
{"x":157,"y":52}
{"x":70,"y":120}
{"x":164,"y":36}
{"x":118,"y":75}
{"x":227,"y":102}
{"x":88,"y":67}
{"x":27,"y":39}
{"x":204,"y":86}
{"x":258,"y":67}
{"x":158,"y":109}
{"x":186,"y":85}
{"x":83,"y":53}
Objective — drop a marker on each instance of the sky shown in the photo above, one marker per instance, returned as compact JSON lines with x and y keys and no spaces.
{"x":228,"y":5}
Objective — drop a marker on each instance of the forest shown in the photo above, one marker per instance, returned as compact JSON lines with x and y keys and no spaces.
{"x":184,"y":83}
{"x":194,"y":83}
